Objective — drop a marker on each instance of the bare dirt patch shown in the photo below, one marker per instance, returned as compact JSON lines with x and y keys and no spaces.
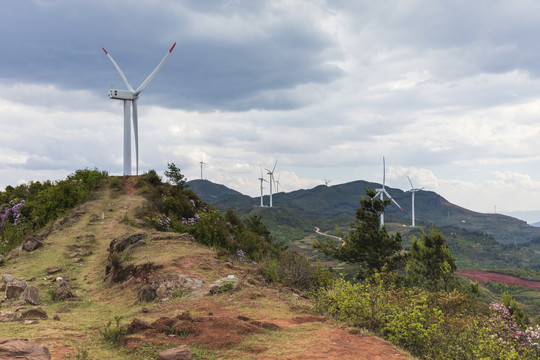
{"x":482,"y":276}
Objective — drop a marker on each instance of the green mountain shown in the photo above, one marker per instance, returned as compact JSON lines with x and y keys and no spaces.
{"x":323,"y":203}
{"x":489,"y":241}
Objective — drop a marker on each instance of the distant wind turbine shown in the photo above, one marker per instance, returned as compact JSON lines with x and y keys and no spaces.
{"x":202,"y":163}
{"x":271,"y":173}
{"x":277,"y":183}
{"x":131,"y":96}
{"x":326,"y":182}
{"x":382,"y":191}
{"x":261,"y":179}
{"x":412,"y":191}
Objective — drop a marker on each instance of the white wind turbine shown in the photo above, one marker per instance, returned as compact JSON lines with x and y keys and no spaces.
{"x":326,"y":182}
{"x":202,"y":163}
{"x":277,"y":183}
{"x":131,"y":96}
{"x":261,"y":179}
{"x":382,"y":191}
{"x":413,"y":190}
{"x":271,"y":173}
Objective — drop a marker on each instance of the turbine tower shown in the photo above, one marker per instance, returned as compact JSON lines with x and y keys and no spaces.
{"x":382,"y":191}
{"x":271,"y":173}
{"x":261,"y":179}
{"x":202,"y":163}
{"x":277,"y":183}
{"x":130,"y":98}
{"x":413,"y":190}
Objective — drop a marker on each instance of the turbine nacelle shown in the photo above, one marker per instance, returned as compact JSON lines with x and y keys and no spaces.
{"x":122,"y":95}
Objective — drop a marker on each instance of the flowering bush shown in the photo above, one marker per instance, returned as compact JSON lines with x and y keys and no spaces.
{"x":11,"y":212}
{"x":429,"y":325}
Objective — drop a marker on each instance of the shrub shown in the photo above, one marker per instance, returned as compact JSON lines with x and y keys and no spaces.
{"x":113,"y":335}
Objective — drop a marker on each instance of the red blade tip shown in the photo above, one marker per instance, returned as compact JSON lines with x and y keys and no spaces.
{"x":105,"y":51}
{"x":172,"y":47}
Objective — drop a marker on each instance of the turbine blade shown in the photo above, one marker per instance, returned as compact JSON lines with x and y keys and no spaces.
{"x":260,"y":166}
{"x":394,"y":201}
{"x":153,"y":73}
{"x":412,"y":187}
{"x":136,"y":133}
{"x":119,"y":70}
{"x":274,"y":167}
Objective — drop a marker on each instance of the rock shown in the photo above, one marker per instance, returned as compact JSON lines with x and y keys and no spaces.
{"x":166,"y":285}
{"x":35,"y":313}
{"x":53,"y":270}
{"x":7,"y":316}
{"x":127,"y":243}
{"x":225,"y":284}
{"x":138,"y":325}
{"x":62,"y":310}
{"x":30,"y":322}
{"x":179,"y":353}
{"x":56,"y":317}
{"x":31,"y":244}
{"x":14,"y":289}
{"x":63,"y":291}
{"x":7,"y":278}
{"x":13,"y":254}
{"x":22,"y":349}
{"x":30,"y":295}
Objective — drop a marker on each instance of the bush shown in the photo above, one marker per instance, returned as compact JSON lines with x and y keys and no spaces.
{"x":431,"y":325}
{"x":114,"y":335}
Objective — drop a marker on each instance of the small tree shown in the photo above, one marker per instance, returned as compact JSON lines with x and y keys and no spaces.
{"x":430,"y":262}
{"x":175,"y":176}
{"x":367,"y":243}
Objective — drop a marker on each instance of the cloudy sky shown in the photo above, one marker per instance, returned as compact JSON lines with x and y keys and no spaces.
{"x":447,"y":91}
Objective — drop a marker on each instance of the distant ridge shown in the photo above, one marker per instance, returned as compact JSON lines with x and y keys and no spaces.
{"x":336,"y":205}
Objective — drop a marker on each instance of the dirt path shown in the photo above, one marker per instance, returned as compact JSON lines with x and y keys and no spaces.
{"x":482,"y":276}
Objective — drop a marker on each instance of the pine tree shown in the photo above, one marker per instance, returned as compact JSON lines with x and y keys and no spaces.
{"x":430,"y":263}
{"x":367,"y":243}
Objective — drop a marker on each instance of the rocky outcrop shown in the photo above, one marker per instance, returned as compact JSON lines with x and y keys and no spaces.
{"x":32,"y":244}
{"x":225,"y":284}
{"x":30,"y":295}
{"x":167,"y":286}
{"x":127,"y":243}
{"x":179,"y":353}
{"x":14,"y":289}
{"x":63,"y":291}
{"x":22,"y":349}
{"x":35,"y":313}
{"x":7,"y":316}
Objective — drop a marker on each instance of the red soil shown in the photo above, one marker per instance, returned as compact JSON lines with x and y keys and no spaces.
{"x":482,"y":276}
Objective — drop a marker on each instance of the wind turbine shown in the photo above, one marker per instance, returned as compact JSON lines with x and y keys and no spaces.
{"x":413,"y":190}
{"x":261,"y":180}
{"x":326,"y":182}
{"x":277,"y":183}
{"x":382,"y":191}
{"x":131,"y":96}
{"x":202,"y":163}
{"x":271,"y":173}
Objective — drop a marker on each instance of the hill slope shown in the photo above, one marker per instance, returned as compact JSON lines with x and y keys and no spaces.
{"x":325,"y":202}
{"x":253,"y":322}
